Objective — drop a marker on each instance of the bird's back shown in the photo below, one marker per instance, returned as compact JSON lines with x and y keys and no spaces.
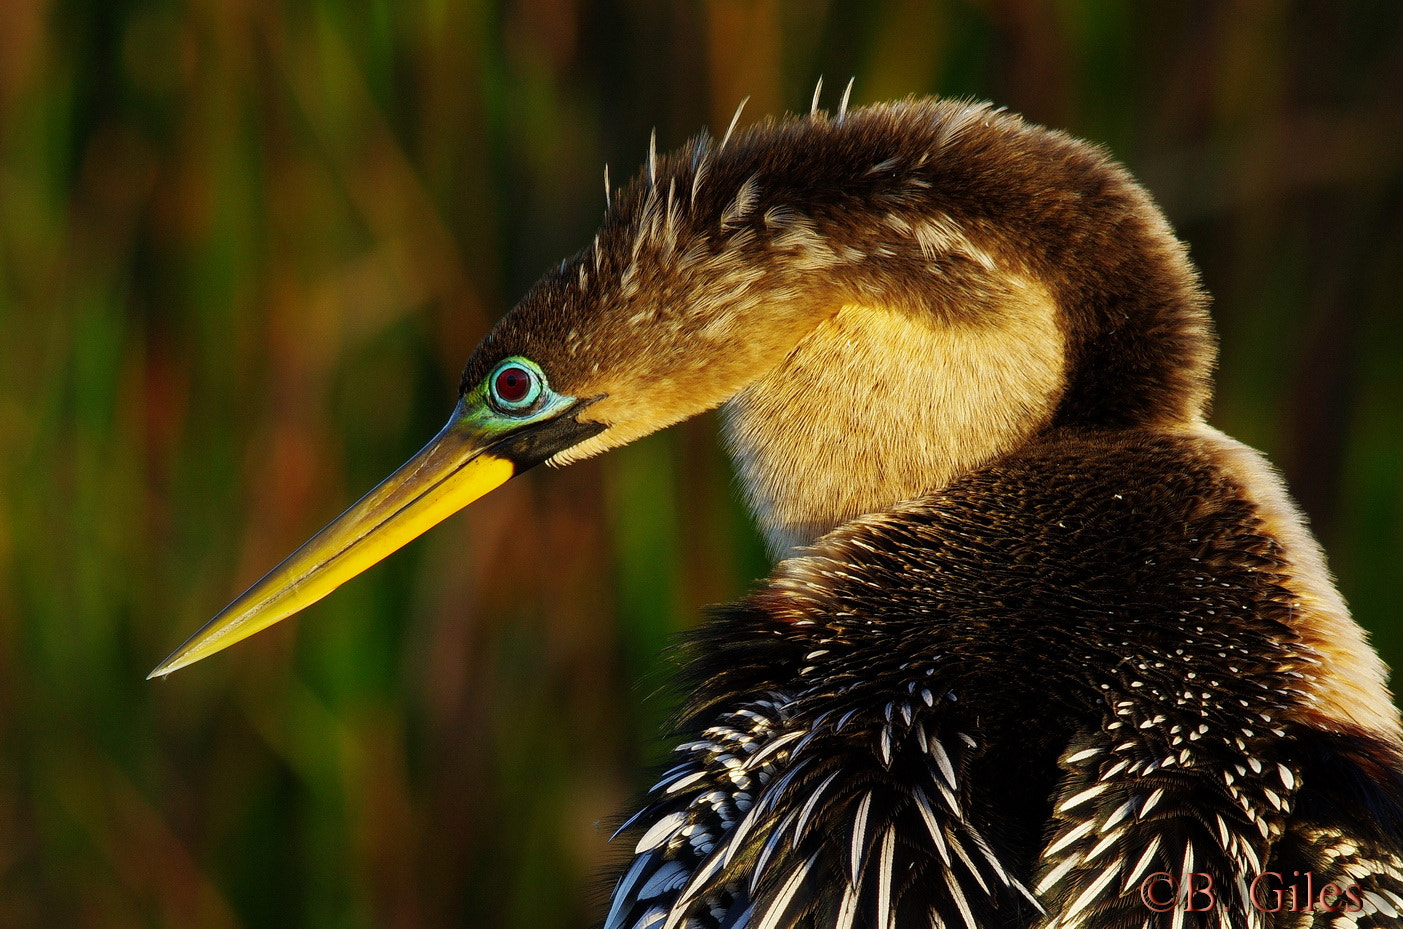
{"x":1057,"y":693}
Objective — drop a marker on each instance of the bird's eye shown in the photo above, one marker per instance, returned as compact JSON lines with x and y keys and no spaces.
{"x":516,"y":385}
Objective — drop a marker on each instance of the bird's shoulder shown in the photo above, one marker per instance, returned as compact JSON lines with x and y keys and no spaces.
{"x":1084,"y":551}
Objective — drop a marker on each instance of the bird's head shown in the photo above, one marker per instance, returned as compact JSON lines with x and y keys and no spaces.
{"x":882,"y":300}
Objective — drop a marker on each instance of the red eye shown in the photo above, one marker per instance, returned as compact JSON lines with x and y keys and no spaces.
{"x":513,"y":384}
{"x":516,"y":386}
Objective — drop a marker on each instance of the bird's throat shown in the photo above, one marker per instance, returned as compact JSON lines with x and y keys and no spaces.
{"x":879,"y":405}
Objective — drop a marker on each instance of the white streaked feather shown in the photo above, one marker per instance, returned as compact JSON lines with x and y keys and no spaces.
{"x":670,"y":876}
{"x":1053,"y":877}
{"x":776,"y":790}
{"x":1185,"y":872}
{"x":628,"y":823}
{"x":859,"y":835}
{"x":952,"y":801}
{"x":660,"y":832}
{"x":671,"y":774}
{"x":684,"y":782}
{"x":774,"y":745}
{"x":732,"y":127}
{"x":884,"y":870}
{"x":963,"y":855}
{"x":933,"y":827}
{"x":990,"y":857}
{"x":947,"y":770}
{"x":771,"y":844}
{"x":999,"y":871}
{"x":1092,"y":892}
{"x":809,"y":806}
{"x":670,"y":214}
{"x":694,"y":887}
{"x":653,"y":158}
{"x":1121,"y":812}
{"x":781,"y":902}
{"x":623,"y":891}
{"x":1143,"y":863}
{"x":847,"y":908}
{"x":958,"y":894}
{"x":847,"y":93}
{"x":697,"y":177}
{"x":1254,"y":864}
{"x":1100,"y":848}
{"x":1028,"y":895}
{"x":1071,"y":835}
{"x":736,"y":837}
{"x":1078,"y":799}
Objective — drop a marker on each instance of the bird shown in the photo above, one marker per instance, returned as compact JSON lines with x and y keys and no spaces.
{"x":1041,"y":648}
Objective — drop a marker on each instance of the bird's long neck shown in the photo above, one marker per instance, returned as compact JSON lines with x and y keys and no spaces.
{"x":883,"y":301}
{"x":879,"y":404}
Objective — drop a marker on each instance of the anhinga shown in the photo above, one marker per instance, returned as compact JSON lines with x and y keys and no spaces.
{"x":1041,"y":649}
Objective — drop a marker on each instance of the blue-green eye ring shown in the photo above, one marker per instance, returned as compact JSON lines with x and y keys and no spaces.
{"x":516,"y":386}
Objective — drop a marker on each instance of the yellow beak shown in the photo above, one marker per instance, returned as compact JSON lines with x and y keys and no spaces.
{"x":453,"y":470}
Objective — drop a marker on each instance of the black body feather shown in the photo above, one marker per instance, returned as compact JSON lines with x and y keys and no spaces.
{"x":1009,"y":705}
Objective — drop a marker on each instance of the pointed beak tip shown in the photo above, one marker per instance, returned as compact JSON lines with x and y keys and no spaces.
{"x":171,"y":664}
{"x":446,"y":475}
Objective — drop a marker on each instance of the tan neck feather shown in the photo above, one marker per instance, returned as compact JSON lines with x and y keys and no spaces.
{"x":878,"y":405}
{"x":1349,"y":683}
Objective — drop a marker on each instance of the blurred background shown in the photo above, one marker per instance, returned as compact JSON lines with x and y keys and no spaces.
{"x":244,"y":249}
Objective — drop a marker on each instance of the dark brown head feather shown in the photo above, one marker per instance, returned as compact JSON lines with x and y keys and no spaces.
{"x":794,"y":217}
